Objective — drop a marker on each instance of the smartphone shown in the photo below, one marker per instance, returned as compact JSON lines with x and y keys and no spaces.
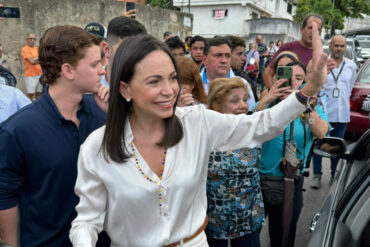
{"x":9,"y":12}
{"x":285,"y":72}
{"x":130,"y":6}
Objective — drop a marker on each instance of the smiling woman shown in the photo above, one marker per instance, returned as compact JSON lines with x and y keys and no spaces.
{"x":143,"y":176}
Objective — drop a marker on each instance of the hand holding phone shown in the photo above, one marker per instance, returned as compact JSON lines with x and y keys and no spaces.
{"x":130,"y":10}
{"x":285,"y":72}
{"x":9,"y":12}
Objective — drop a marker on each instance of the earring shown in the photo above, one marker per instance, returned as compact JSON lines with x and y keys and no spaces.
{"x":128,"y":99}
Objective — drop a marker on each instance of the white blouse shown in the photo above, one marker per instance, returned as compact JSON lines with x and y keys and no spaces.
{"x":119,"y":199}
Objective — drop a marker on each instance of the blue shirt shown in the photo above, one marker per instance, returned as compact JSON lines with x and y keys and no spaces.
{"x":38,"y":167}
{"x":103,"y":80}
{"x":206,"y":82}
{"x":272,"y":151}
{"x":11,"y":100}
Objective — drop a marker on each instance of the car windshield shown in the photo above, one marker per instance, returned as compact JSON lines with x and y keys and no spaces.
{"x":365,"y":44}
{"x":347,"y":54}
{"x":365,"y":74}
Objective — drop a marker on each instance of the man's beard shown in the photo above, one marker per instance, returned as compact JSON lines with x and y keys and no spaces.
{"x":337,"y":56}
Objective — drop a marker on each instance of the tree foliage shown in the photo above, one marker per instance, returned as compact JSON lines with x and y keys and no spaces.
{"x":353,"y":8}
{"x":165,"y":4}
{"x":332,"y":11}
{"x":321,"y":7}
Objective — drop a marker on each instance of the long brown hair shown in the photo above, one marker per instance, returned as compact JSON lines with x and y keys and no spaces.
{"x":189,"y":75}
{"x":130,"y":52}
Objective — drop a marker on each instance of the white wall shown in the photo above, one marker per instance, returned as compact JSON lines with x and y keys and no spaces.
{"x":266,"y":5}
{"x":281,"y":11}
{"x":238,"y":12}
{"x":206,"y":25}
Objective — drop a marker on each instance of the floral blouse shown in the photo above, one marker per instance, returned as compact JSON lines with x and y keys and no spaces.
{"x":235,"y":204}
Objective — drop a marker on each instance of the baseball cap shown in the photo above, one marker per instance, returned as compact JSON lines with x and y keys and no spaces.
{"x":97,"y":29}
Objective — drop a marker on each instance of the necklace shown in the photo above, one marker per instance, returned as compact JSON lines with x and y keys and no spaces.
{"x":149,"y":179}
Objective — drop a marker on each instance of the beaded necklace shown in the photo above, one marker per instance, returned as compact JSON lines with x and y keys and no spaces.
{"x":149,"y":179}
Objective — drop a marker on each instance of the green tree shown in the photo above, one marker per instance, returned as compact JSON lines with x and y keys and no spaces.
{"x":332,"y":11}
{"x":353,"y":8}
{"x":331,"y":16}
{"x":165,"y":4}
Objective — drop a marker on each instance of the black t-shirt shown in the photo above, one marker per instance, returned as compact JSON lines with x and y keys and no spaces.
{"x":262,"y":48}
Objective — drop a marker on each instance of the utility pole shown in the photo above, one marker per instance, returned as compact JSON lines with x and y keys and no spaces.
{"x":332,"y":28}
{"x":189,"y":6}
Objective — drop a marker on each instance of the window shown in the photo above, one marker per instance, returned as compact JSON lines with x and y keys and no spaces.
{"x":254,"y":16}
{"x":219,"y":13}
{"x":289,"y":8}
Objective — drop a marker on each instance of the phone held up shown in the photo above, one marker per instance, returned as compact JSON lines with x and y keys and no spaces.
{"x":285,"y":72}
{"x":9,"y":12}
{"x":130,"y":6}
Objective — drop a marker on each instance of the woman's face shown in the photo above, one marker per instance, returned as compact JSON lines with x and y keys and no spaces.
{"x":235,"y":102}
{"x":284,"y":61}
{"x":298,"y":76}
{"x":154,"y":87}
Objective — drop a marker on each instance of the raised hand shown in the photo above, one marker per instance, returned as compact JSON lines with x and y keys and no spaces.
{"x":317,"y":67}
{"x":131,"y":13}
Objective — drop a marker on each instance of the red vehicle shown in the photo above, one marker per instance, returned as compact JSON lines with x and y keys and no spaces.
{"x":360,"y":118}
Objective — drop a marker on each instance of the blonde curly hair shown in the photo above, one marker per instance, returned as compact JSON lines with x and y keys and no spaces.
{"x":220,"y":88}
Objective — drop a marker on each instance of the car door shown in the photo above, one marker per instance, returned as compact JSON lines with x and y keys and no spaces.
{"x":345,"y":214}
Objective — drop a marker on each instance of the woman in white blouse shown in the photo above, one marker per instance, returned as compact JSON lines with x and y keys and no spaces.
{"x":142,"y":177}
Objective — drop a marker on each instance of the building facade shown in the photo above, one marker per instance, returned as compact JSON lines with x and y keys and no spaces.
{"x":221,"y":17}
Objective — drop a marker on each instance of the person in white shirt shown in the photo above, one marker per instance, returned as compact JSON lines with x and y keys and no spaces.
{"x":142,"y":177}
{"x":338,"y":88}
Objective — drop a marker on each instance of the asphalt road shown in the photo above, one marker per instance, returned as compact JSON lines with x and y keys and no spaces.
{"x":312,"y":200}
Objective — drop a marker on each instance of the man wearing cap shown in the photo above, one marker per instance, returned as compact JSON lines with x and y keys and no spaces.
{"x":118,"y":29}
{"x":100,"y":31}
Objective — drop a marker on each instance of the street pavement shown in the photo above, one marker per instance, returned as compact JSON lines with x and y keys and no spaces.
{"x":312,"y":202}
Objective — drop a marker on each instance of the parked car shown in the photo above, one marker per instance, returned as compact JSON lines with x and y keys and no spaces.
{"x":359,"y":121}
{"x":362,"y":37}
{"x":354,"y":44}
{"x":365,"y":49}
{"x":344,"y":219}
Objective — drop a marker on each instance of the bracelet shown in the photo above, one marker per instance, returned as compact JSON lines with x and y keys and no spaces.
{"x":309,"y":102}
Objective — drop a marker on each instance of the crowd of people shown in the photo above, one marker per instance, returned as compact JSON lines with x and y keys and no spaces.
{"x":136,"y":141}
